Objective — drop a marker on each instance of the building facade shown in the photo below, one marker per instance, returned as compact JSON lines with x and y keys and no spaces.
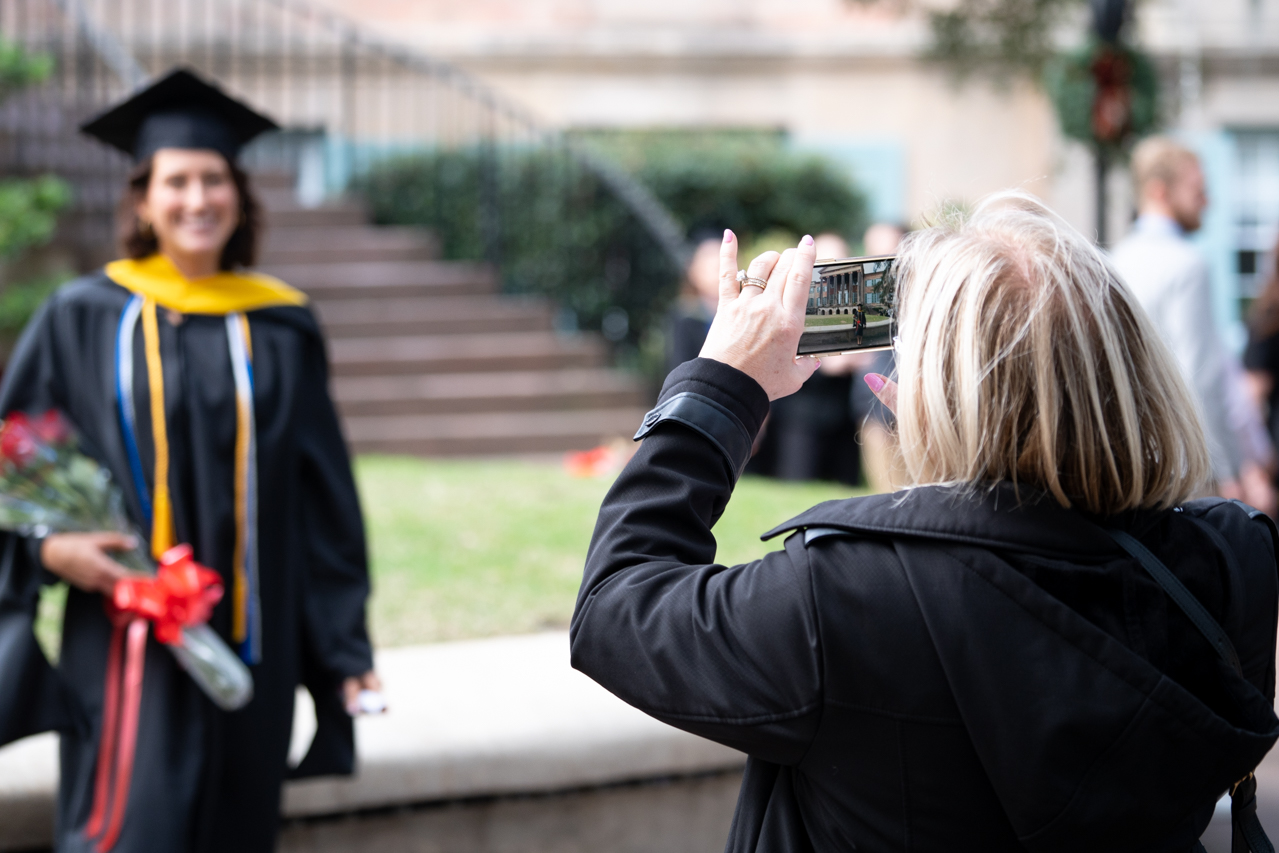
{"x":844,"y":78}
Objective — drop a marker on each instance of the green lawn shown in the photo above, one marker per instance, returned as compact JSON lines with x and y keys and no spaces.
{"x":473,"y":549}
{"x":479,"y":548}
{"x":811,"y":320}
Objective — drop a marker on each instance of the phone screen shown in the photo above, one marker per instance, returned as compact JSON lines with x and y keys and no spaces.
{"x":852,"y":306}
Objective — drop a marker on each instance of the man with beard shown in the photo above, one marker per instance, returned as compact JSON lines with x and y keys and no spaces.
{"x":1170,"y":279}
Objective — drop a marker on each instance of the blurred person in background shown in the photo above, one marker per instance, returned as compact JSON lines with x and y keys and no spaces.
{"x":691,"y":317}
{"x":1261,"y":358}
{"x":203,"y":388}
{"x":1170,"y":279}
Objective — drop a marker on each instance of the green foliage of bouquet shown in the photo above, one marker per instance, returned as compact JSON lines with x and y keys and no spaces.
{"x":48,"y":486}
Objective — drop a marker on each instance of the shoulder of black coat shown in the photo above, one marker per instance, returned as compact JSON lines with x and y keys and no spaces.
{"x":298,"y":317}
{"x":94,"y":289}
{"x":1002,"y":517}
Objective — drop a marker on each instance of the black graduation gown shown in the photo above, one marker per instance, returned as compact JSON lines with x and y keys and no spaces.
{"x":203,"y":779}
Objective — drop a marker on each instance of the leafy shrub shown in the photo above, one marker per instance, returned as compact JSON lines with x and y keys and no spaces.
{"x":744,"y":180}
{"x":19,"y":301}
{"x":29,"y":208}
{"x":555,"y":229}
{"x":19,"y":68}
{"x":29,"y":212}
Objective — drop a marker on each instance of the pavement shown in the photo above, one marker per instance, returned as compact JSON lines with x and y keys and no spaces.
{"x":473,"y":719}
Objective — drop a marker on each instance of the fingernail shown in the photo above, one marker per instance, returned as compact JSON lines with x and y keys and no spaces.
{"x":807,"y":241}
{"x":728,"y":236}
{"x":875,"y":381}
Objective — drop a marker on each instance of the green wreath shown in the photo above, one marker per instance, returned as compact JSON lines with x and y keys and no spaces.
{"x":1070,"y":84}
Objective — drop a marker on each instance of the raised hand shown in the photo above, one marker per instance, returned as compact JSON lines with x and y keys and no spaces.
{"x":757,"y":330}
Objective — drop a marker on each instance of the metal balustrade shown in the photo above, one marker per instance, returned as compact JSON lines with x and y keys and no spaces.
{"x":347,"y":101}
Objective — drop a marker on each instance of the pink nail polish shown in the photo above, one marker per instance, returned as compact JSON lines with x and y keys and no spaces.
{"x":808,"y":240}
{"x":875,"y":381}
{"x":728,"y":236}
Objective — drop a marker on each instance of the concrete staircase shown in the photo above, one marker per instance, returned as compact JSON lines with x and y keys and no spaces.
{"x":428,"y":358}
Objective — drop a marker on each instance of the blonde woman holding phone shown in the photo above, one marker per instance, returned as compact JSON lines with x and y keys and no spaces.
{"x":1044,"y":643}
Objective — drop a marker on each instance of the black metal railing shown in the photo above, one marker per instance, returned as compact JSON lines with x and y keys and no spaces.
{"x":348,"y":102}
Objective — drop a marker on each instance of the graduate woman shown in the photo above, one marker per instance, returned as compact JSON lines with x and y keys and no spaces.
{"x":203,"y":388}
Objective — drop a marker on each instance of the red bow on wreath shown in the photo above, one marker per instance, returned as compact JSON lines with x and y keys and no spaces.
{"x":182,"y":593}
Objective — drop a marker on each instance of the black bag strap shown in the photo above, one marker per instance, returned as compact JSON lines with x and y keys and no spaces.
{"x":1247,"y":833}
{"x":1182,"y":597}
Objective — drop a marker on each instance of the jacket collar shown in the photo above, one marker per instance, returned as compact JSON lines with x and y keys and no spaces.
{"x":1002,"y":518}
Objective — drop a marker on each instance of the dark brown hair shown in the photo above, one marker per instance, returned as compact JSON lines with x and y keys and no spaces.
{"x":241,"y":249}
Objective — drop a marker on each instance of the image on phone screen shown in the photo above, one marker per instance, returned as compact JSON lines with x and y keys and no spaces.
{"x":852,"y":306}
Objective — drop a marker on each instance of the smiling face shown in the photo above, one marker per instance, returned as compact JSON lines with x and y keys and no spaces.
{"x":193,"y":207}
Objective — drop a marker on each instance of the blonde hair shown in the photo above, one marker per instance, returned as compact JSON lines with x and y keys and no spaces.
{"x":1023,"y":357}
{"x":1159,"y":159}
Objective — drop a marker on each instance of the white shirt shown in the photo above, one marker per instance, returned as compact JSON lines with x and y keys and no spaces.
{"x":1170,"y":279}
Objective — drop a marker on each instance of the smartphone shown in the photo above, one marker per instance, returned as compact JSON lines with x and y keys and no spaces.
{"x":852,"y":306}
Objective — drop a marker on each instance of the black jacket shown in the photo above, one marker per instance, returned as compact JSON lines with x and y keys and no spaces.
{"x":926,"y":671}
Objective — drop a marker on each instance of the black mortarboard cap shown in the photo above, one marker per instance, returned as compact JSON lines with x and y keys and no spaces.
{"x":179,"y":111}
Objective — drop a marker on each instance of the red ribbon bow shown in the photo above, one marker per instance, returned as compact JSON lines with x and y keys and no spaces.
{"x":182,"y":593}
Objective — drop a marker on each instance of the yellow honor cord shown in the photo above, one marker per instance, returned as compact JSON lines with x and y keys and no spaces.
{"x":240,"y":611}
{"x":162,"y":537}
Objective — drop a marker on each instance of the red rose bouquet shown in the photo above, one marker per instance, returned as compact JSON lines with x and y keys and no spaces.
{"x":48,"y":486}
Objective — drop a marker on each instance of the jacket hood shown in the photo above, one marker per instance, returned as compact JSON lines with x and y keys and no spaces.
{"x":1088,"y":745}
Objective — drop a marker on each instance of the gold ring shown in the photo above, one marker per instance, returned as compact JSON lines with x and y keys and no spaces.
{"x":743,"y":280}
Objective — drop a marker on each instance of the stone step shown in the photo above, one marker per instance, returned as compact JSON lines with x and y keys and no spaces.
{"x":427,"y":357}
{"x":437,"y":315}
{"x":274,"y":180}
{"x":485,"y":434}
{"x":347,"y":243}
{"x":324,"y":216}
{"x":278,"y":197}
{"x":391,"y":356}
{"x":506,"y":391}
{"x":386,"y":279}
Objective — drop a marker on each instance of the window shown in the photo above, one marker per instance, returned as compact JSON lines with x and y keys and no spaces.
{"x":1256,"y":214}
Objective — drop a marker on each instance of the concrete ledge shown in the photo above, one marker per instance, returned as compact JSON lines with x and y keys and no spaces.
{"x":500,"y":716}
{"x":481,"y":718}
{"x":28,"y":779}
{"x":689,"y":814}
